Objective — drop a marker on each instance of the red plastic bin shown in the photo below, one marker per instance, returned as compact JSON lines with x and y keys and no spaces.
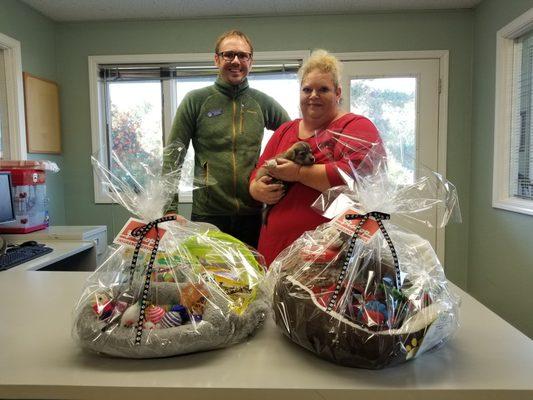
{"x":29,"y":196}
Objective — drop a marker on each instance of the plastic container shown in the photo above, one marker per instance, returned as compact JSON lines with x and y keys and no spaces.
{"x":29,"y":196}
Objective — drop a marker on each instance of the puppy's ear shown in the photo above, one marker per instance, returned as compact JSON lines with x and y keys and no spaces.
{"x":306,"y":147}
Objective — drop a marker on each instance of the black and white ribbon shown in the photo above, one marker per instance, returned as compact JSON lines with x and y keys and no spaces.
{"x":379,"y":217}
{"x":140,"y":233}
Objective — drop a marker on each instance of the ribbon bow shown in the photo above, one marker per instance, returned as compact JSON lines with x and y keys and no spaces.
{"x":379,"y":217}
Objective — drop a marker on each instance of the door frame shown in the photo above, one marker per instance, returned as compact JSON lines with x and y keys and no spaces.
{"x":443,"y":57}
{"x":15,"y":97}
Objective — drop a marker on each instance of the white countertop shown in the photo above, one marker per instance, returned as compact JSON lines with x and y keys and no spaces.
{"x":59,"y":232}
{"x":38,"y":359}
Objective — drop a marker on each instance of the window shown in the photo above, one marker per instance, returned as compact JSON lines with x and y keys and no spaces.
{"x":389,"y":102}
{"x":513,"y":144}
{"x":12,"y":124}
{"x":134,"y":99}
{"x":135,"y":126}
{"x":521,"y":176}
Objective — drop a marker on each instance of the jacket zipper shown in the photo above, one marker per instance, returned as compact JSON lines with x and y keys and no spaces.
{"x":206,"y":179}
{"x":234,"y":155}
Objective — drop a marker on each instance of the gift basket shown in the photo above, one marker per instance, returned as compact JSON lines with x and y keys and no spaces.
{"x":361,"y":290}
{"x":169,"y":286}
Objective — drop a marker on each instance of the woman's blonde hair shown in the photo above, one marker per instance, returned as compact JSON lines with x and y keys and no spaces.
{"x":324,"y":62}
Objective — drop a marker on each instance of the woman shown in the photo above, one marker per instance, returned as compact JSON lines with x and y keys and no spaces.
{"x":320,"y":95}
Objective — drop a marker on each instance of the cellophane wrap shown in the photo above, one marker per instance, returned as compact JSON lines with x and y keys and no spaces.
{"x":365,"y":299}
{"x":200,"y":289}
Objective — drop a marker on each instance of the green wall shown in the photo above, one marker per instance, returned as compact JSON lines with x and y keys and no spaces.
{"x":36,"y":35}
{"x":365,"y":32}
{"x":500,"y":262}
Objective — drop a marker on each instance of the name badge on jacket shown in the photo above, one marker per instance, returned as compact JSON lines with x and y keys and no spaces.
{"x":214,"y":113}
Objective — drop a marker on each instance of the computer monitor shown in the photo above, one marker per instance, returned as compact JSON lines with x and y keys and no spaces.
{"x":7,"y":210}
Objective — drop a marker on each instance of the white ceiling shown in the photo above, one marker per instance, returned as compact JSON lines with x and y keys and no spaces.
{"x":101,"y":10}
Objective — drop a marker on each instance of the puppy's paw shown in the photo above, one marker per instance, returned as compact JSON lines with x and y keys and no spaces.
{"x":270,"y":163}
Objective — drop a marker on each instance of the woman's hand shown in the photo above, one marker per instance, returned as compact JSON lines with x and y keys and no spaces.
{"x":265,"y":191}
{"x":285,"y":170}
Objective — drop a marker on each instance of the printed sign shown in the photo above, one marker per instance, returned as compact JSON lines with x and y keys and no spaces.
{"x":366,"y":232}
{"x":126,"y":239}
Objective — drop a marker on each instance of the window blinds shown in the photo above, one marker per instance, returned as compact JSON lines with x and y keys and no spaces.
{"x":132,"y":72}
{"x":521,"y":160}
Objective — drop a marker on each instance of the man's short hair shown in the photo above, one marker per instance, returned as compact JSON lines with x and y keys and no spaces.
{"x":228,"y":34}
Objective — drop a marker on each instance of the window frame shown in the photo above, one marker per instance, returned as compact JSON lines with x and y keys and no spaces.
{"x":97,"y":106}
{"x":15,"y":98}
{"x":505,"y":37}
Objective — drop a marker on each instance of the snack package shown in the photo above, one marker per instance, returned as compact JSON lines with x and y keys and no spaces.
{"x":360,"y":290}
{"x":169,"y":286}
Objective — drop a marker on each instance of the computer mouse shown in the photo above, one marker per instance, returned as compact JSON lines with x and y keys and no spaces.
{"x":29,"y":243}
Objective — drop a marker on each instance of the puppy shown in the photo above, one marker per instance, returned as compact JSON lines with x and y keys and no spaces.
{"x":300,"y":153}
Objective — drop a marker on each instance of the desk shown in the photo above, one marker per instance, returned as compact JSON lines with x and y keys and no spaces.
{"x":80,"y":255}
{"x":80,"y":248}
{"x":488,"y":359}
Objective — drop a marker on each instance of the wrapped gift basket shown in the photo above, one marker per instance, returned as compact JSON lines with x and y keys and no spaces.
{"x":360,"y":290}
{"x":169,"y":286}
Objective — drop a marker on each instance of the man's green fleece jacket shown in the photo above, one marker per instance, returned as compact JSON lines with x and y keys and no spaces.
{"x":225,"y":124}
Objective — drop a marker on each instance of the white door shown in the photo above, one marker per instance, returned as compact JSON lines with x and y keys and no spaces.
{"x":401,"y":97}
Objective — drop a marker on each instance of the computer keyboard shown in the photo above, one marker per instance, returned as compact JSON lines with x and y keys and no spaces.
{"x":20,"y":254}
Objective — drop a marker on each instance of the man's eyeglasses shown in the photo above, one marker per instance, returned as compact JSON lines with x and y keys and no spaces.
{"x":230,"y":55}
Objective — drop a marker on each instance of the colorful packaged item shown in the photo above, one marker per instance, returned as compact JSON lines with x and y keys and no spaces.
{"x":360,"y":290}
{"x":29,"y":195}
{"x":169,"y":286}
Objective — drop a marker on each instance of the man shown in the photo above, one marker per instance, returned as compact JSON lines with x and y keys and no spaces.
{"x":225,"y":123}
